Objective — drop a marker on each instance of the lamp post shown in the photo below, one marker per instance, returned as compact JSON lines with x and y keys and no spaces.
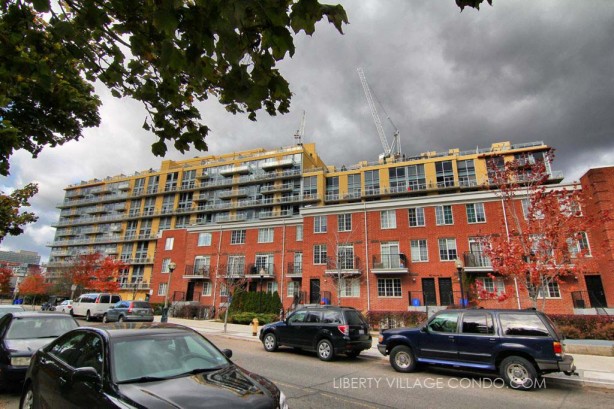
{"x":260,"y":298}
{"x":171,"y":268}
{"x":459,"y":268}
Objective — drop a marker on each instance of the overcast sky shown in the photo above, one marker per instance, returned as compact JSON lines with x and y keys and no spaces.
{"x":521,"y":71}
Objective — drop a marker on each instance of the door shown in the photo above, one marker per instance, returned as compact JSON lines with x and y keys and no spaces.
{"x":428,"y":291}
{"x":314,"y":291}
{"x":189,"y":295}
{"x":446,"y":296}
{"x":477,"y":340}
{"x":595,"y":291}
{"x":438,"y":342}
{"x":290,"y":333}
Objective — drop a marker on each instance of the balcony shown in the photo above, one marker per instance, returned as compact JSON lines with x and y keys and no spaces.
{"x":242,"y":169}
{"x":232,"y":271}
{"x":134,"y":286}
{"x":271,"y":214}
{"x":284,"y":187}
{"x":295,"y":270}
{"x":343,"y":266}
{"x":390,"y":264}
{"x":282,"y":163}
{"x":476,"y":261}
{"x":231,"y":218}
{"x":266,"y":270}
{"x":202,"y":197}
{"x":229,"y":194}
{"x":203,"y":175}
{"x":197,"y":272}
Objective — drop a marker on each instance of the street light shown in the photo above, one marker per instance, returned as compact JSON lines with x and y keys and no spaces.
{"x":171,"y":268}
{"x":459,"y":268}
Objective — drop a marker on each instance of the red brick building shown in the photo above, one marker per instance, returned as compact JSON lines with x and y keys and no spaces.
{"x":393,"y":254}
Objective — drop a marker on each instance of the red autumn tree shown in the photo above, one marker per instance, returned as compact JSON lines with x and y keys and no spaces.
{"x":82,"y":271}
{"x":33,"y":285}
{"x":545,"y":237}
{"x":104,"y":277}
{"x":5,"y":280}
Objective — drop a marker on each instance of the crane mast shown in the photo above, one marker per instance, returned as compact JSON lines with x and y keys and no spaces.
{"x":298,"y":136}
{"x":388,"y":150}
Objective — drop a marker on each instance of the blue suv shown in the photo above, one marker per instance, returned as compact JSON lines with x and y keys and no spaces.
{"x":519,"y":344}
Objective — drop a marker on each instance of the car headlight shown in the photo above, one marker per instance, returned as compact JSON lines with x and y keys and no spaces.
{"x":282,"y":401}
{"x":20,"y":360}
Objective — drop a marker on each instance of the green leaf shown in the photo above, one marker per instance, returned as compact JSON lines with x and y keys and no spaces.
{"x":42,"y":6}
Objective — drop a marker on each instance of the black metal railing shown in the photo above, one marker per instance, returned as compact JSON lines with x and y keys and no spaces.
{"x":265,"y":269}
{"x":295,"y":268}
{"x":198,"y":271}
{"x":343,"y":263}
{"x":398,"y":260}
{"x":476,"y":259}
{"x":588,"y":299}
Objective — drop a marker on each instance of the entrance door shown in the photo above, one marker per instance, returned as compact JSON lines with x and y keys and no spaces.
{"x":314,"y":291}
{"x":595,"y":291}
{"x":189,"y":295}
{"x":445,"y":291}
{"x":428,"y":291}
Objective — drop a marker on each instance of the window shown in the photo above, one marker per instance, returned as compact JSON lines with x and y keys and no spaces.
{"x":444,"y":173}
{"x":165,"y":223}
{"x":475,"y":213}
{"x":310,"y":186}
{"x":345,"y":222}
{"x":332,"y":188}
{"x":297,"y":267}
{"x":319,"y":224}
{"x":466,"y":172}
{"x":162,"y":289}
{"x":236,"y":266}
{"x":389,"y":287}
{"x":271,"y":287}
{"x":345,"y":257}
{"x":201,"y":265}
{"x":444,"y":322}
{"x":165,"y":264}
{"x":182,"y":221}
{"x":294,"y":288}
{"x":523,"y":325}
{"x":204,"y":239}
{"x":391,"y":257}
{"x":419,"y":251}
{"x":416,"y":217}
{"x":206,"y":288}
{"x":185,"y":201}
{"x":552,"y":290}
{"x":447,"y":249}
{"x":265,"y":235}
{"x":530,"y":212}
{"x":579,"y":244}
{"x":353,"y":185}
{"x":496,"y":286}
{"x":443,"y":215}
{"x":350,"y":287}
{"x":478,"y":324}
{"x":224,"y":290}
{"x":299,"y":233}
{"x":237,"y":237}
{"x":372,"y":182}
{"x":264,"y":262}
{"x":388,"y":219}
{"x":319,"y":254}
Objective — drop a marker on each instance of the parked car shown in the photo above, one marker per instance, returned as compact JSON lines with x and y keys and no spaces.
{"x":94,"y":305}
{"x":65,"y":307}
{"x":21,"y":334}
{"x":5,"y":309}
{"x":328,"y":330}
{"x":52,"y":303}
{"x":142,"y":366}
{"x":129,"y":310}
{"x":520,"y":344}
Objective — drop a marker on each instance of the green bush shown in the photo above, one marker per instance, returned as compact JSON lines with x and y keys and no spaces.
{"x":247,"y":318}
{"x":393,"y":319}
{"x":255,"y":301}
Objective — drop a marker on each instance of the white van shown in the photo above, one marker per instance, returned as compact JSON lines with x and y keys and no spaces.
{"x":94,"y":305}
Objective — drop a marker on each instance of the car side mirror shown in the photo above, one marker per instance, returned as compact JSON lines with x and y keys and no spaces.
{"x":227,"y":352}
{"x":424,"y":329}
{"x":86,"y":374}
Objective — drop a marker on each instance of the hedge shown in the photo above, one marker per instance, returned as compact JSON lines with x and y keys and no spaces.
{"x":247,"y":318}
{"x":571,"y":326}
{"x":256,"y":302}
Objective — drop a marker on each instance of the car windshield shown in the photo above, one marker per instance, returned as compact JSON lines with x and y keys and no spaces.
{"x":40,"y":327}
{"x":141,"y":304}
{"x":163,"y":356}
{"x":6,"y":309}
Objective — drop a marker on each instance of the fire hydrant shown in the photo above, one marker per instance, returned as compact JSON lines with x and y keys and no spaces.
{"x":254,"y":326}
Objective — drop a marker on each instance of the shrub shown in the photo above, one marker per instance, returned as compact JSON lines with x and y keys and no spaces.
{"x":585,"y":326}
{"x":192,"y":311}
{"x":393,"y":319}
{"x":255,"y":301}
{"x":247,"y":317}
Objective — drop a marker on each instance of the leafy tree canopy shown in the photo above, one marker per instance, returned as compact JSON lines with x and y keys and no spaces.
{"x":12,"y":219}
{"x":168,"y":54}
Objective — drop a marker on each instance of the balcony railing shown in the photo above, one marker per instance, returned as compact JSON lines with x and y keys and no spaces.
{"x":295,"y":270}
{"x":134,"y":286}
{"x":476,"y":259}
{"x":198,"y":271}
{"x":343,"y":266}
{"x":265,"y":269}
{"x":390,"y":263}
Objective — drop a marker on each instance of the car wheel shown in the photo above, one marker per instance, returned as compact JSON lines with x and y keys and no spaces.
{"x":353,"y":354}
{"x":121,"y":318}
{"x":270,"y":342}
{"x":88,"y":317}
{"x":518,"y":373}
{"x":325,"y":350}
{"x":72,"y":314}
{"x":105,"y":319}
{"x":27,"y":400}
{"x":402,"y":359}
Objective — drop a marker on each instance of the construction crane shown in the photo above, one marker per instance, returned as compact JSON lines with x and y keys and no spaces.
{"x":298,"y":136}
{"x":389,"y":150}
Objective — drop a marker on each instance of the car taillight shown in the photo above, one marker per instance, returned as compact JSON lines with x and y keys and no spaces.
{"x":130,"y":308}
{"x":558,"y":348}
{"x":344,"y":329}
{"x":69,"y":307}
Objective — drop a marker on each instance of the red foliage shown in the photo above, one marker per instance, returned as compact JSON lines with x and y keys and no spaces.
{"x":105,"y":276}
{"x":33,"y":284}
{"x":5,"y":279}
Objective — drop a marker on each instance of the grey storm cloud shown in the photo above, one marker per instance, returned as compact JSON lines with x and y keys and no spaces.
{"x":521,"y":71}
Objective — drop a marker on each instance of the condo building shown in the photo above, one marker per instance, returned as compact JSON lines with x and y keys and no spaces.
{"x":385,"y":235}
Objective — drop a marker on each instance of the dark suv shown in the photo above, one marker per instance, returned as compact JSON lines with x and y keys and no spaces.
{"x":520,"y":344}
{"x":327,"y":330}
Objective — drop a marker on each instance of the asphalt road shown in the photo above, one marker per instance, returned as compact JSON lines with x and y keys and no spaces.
{"x":372,"y":383}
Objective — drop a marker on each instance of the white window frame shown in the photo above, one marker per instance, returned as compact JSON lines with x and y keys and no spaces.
{"x":299,"y":233}
{"x":388,"y":219}
{"x":396,"y":289}
{"x":162,"y":288}
{"x":420,"y":219}
{"x":206,"y":289}
{"x":317,"y":250}
{"x":266,"y":235}
{"x":553,"y":291}
{"x":344,"y":222}
{"x":479,"y":214}
{"x":447,"y":249}
{"x":271,"y":287}
{"x":441,"y":215}
{"x":349,"y":287}
{"x":237,"y":237}
{"x":320,"y":224}
{"x":235,"y":261}
{"x":168,"y":245}
{"x":419,"y":253}
{"x":293,"y":287}
{"x":491,"y":286}
{"x":205,"y":263}
{"x":165,"y":263}
{"x":204,"y":239}
{"x":576,"y":246}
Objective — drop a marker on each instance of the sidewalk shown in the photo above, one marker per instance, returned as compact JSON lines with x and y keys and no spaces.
{"x":593,"y":370}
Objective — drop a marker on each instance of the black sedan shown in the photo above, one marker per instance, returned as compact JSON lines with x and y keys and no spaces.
{"x":142,"y":366}
{"x":21,"y":334}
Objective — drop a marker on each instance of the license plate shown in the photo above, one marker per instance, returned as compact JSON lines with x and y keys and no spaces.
{"x":141,"y":312}
{"x":361,"y":332}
